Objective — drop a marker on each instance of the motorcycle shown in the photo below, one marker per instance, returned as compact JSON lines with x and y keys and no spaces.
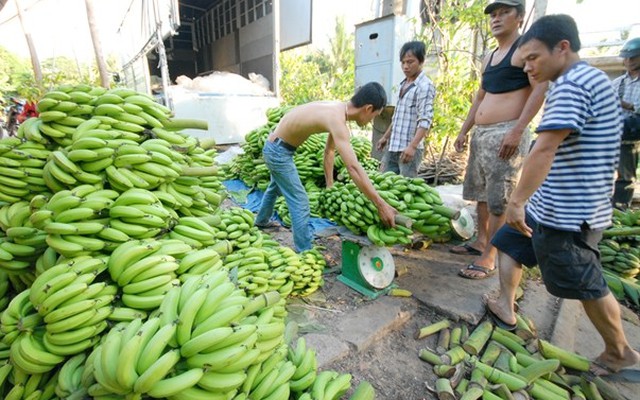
{"x":12,"y":112}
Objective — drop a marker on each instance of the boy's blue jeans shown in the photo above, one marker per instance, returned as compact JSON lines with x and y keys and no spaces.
{"x":286,"y":181}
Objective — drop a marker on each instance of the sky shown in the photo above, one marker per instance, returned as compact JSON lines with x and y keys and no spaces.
{"x":59,"y":27}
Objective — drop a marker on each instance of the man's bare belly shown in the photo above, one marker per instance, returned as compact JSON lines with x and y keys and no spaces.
{"x":501,"y":107}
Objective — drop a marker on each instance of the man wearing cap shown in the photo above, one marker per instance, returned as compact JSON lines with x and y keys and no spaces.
{"x":628,"y":88}
{"x":503,"y":107}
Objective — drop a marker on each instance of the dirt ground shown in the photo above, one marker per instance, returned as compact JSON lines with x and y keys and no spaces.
{"x":391,"y":364}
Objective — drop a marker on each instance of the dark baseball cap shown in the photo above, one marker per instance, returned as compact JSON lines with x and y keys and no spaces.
{"x":496,"y":3}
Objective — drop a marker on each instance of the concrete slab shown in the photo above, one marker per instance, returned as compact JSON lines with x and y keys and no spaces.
{"x":329,"y":348}
{"x":372,"y":322}
{"x":541,"y":307}
{"x":432,"y":277}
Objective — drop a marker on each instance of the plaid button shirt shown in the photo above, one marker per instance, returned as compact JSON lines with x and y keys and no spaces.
{"x":629,"y":90}
{"x":414,"y":109}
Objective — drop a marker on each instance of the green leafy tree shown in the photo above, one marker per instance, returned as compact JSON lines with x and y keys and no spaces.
{"x":17,"y":79}
{"x":12,"y":69}
{"x":319,"y":75}
{"x":458,"y":37}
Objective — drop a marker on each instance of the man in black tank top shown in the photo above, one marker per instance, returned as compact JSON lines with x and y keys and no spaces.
{"x":501,"y":111}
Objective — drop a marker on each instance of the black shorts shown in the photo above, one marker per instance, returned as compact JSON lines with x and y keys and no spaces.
{"x":569,"y":261}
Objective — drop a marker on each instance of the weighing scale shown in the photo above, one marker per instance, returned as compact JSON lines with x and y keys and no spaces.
{"x":367,"y":268}
{"x":370,"y":269}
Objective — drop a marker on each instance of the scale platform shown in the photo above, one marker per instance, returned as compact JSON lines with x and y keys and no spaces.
{"x":366,"y":268}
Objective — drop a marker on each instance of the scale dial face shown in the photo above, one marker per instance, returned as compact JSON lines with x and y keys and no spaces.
{"x":376,"y":266}
{"x":464,"y":226}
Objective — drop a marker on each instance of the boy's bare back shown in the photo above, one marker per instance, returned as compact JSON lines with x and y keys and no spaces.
{"x":308,"y":119}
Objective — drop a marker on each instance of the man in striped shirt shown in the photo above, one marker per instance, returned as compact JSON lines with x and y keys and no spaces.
{"x":561,"y":205}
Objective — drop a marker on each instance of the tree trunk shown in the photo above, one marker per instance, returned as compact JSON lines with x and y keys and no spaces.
{"x":97,"y":46}
{"x":32,"y":50}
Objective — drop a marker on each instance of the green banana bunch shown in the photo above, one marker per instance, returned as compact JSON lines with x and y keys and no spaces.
{"x":307,"y":277}
{"x":69,"y":384}
{"x":144,"y":271}
{"x":5,"y":285}
{"x":76,"y":220}
{"x":30,"y":355}
{"x":139,"y":214}
{"x":19,"y":318}
{"x":236,"y":225}
{"x":306,"y":365}
{"x":23,"y":243}
{"x":21,"y":169}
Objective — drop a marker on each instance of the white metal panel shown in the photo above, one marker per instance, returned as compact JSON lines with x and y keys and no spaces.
{"x":377,"y":53}
{"x":295,"y":23}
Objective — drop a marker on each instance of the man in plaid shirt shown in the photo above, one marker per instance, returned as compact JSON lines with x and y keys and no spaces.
{"x":628,"y":88}
{"x":412,"y":117}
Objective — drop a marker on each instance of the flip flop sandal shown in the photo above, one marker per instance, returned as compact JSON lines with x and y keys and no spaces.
{"x":468,"y":250}
{"x":499,"y":322}
{"x":472,"y":267}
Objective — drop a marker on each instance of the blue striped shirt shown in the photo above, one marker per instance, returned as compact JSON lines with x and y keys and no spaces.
{"x":579,"y":186}
{"x":414,"y":108}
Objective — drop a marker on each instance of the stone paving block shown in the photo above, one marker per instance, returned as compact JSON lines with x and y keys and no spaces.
{"x":372,"y":322}
{"x":329,"y":348}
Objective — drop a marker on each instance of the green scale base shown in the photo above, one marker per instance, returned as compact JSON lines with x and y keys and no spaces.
{"x":352,"y":276}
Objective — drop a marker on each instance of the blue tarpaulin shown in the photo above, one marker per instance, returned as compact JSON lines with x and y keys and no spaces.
{"x":249,"y":198}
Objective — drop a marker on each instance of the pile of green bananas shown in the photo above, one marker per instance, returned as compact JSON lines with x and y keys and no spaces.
{"x":346,"y":205}
{"x":236,"y":225}
{"x":112,"y":262}
{"x":204,"y":337}
{"x":309,"y":384}
{"x":314,"y":194}
{"x":620,"y":255}
{"x":307,"y":277}
{"x":276,"y":268}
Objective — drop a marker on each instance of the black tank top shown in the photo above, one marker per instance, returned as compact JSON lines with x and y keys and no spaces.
{"x":504,"y":77}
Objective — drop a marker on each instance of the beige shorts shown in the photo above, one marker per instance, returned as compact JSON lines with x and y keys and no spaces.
{"x":488,"y":178}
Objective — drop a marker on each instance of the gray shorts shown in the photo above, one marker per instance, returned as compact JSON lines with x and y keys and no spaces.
{"x":489,"y":178}
{"x":569,"y":261}
{"x":391,"y":162}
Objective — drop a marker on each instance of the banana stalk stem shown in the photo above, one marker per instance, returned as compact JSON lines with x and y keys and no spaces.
{"x":454,"y":355}
{"x":433,"y":328}
{"x":491,"y":353}
{"x":496,"y":376}
{"x":456,"y":334}
{"x":590,"y":390}
{"x":607,"y":390}
{"x":567,"y":359}
{"x":200,"y":171}
{"x":509,"y":343}
{"x":403,"y":220}
{"x":430,"y":357}
{"x":177,"y":124}
{"x":444,"y":389}
{"x":444,"y":338}
{"x":478,"y":338}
